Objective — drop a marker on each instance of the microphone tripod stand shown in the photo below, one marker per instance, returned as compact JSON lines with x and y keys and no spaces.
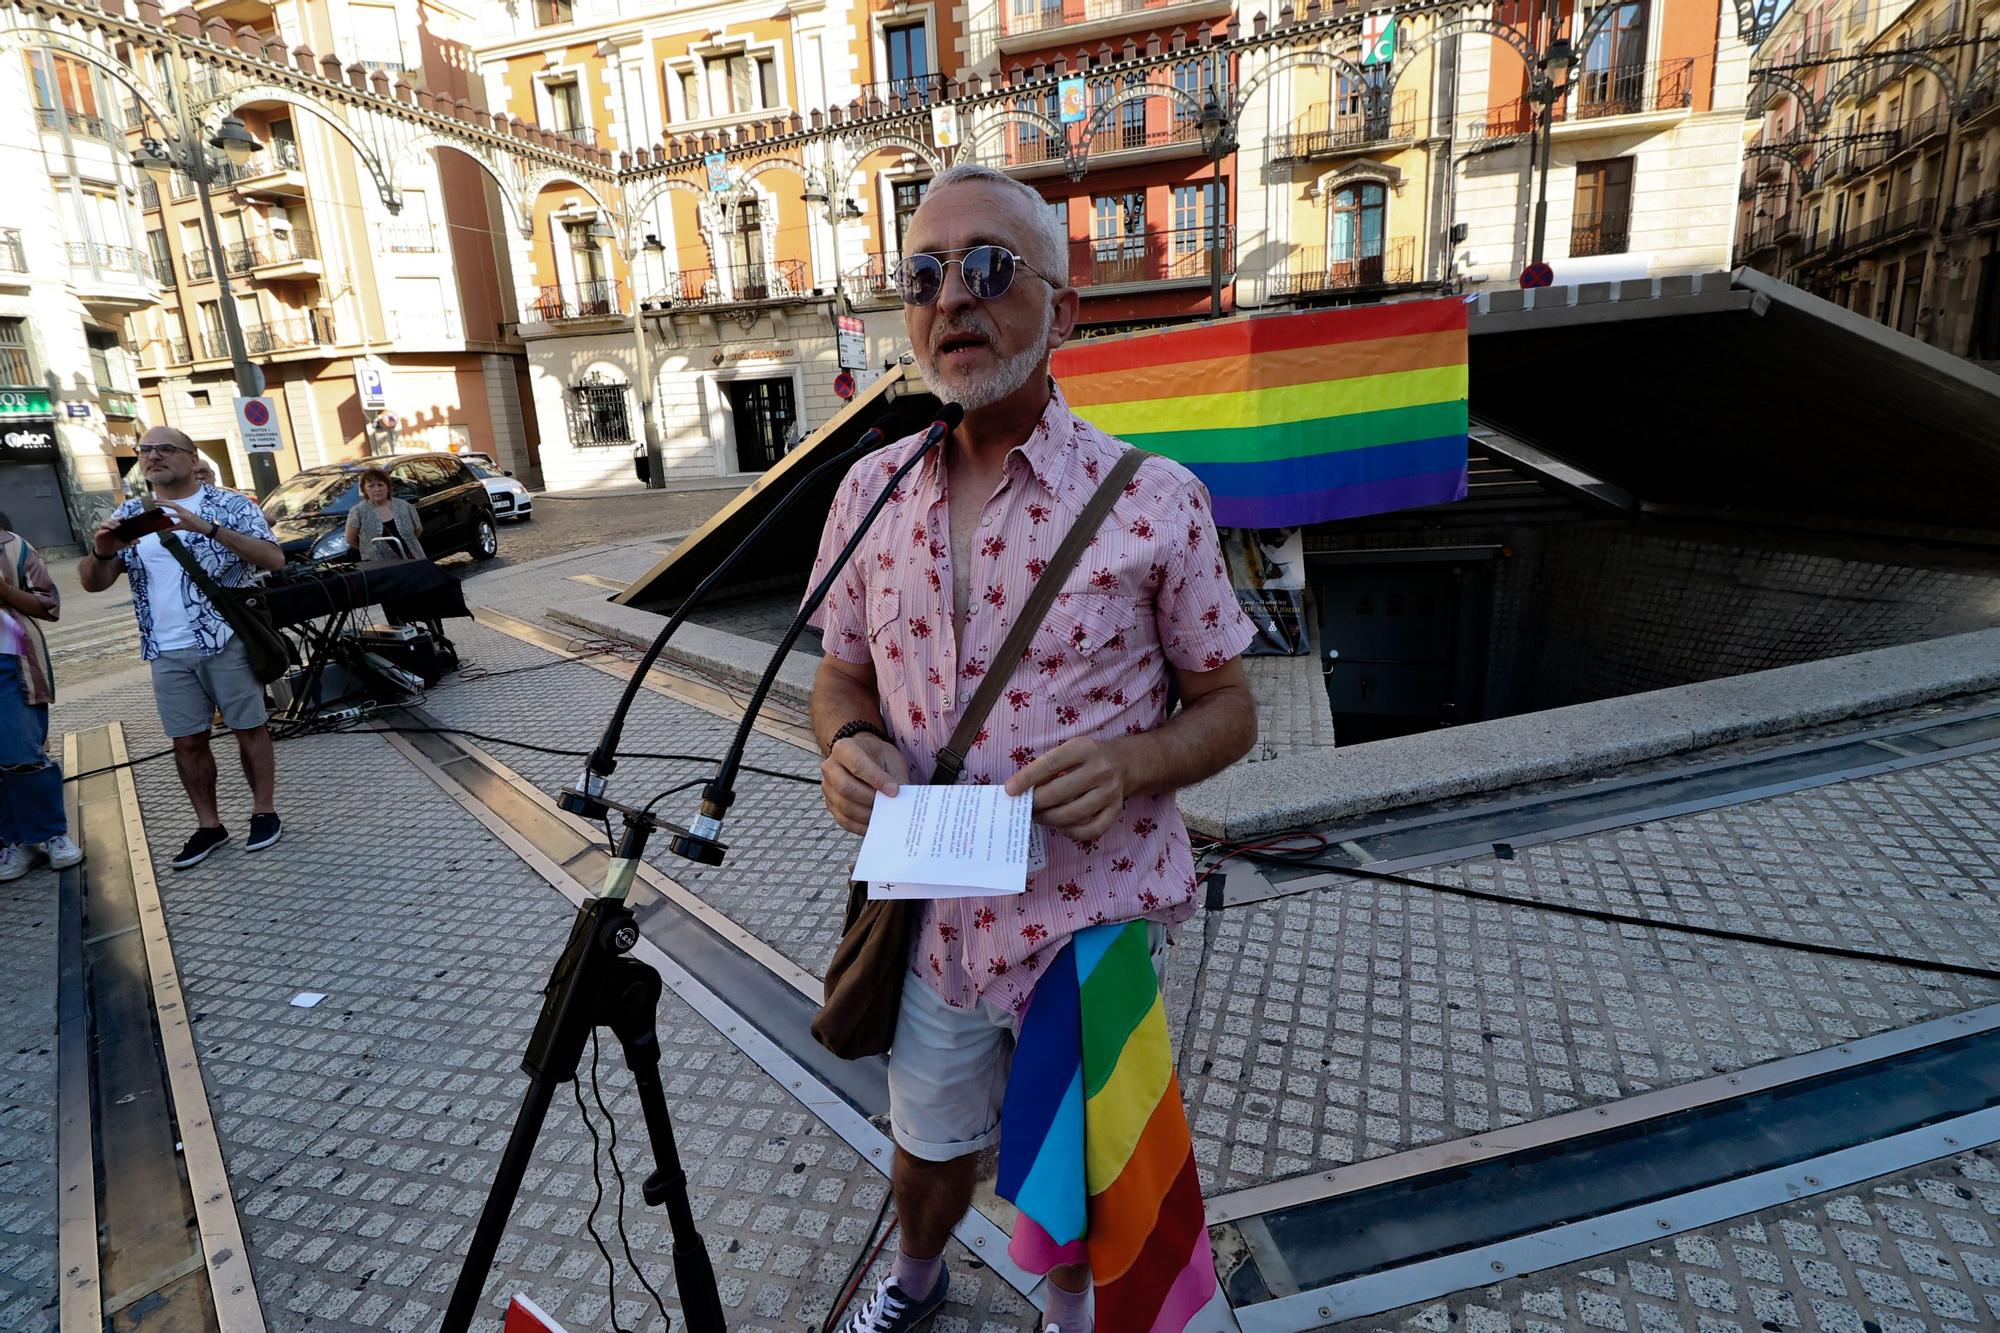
{"x":596,"y":983}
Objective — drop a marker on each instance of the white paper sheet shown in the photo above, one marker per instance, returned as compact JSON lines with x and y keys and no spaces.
{"x":946,"y":842}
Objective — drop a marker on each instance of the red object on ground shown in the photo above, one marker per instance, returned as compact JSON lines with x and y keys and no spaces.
{"x":524,"y":1316}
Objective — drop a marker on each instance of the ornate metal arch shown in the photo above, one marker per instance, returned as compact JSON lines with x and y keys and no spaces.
{"x":1770,"y":83}
{"x":415,"y":154}
{"x":537,"y":181}
{"x":1014,"y":116}
{"x":1787,"y":155}
{"x":1987,"y":72}
{"x":13,"y":36}
{"x":1861,"y":73}
{"x":1756,"y":18}
{"x":770,"y":164}
{"x":228,"y":103}
{"x":863,"y":151}
{"x":1407,"y":55}
{"x":1315,"y":55}
{"x":1130,"y":93}
{"x":660,"y":189}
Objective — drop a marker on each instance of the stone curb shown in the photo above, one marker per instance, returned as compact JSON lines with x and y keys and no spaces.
{"x":1318,"y":788}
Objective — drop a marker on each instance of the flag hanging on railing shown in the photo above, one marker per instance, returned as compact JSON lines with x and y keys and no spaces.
{"x":1292,"y":419}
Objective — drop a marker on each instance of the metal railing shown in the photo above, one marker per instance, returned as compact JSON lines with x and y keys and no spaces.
{"x":90,"y":127}
{"x":1028,"y":145}
{"x":407,"y":238}
{"x":1767,"y":233}
{"x":1151,"y":256}
{"x":149,"y":192}
{"x":1125,"y":132}
{"x":1976,"y":212}
{"x":1604,"y":234}
{"x":875,"y":280}
{"x":1324,"y":129}
{"x":179,"y":352}
{"x":13,"y":258}
{"x":1308,"y":271}
{"x":1628,"y":90}
{"x":914,"y":89}
{"x":778,"y":280}
{"x":1890,"y":226}
{"x":555,"y":303}
{"x":310,"y":329}
{"x":1026,"y":16}
{"x":120,"y":260}
{"x":163,"y":269}
{"x":273,"y":250}
{"x":198,"y":266}
{"x":276,"y":156}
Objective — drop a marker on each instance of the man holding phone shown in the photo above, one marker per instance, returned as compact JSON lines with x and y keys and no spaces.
{"x":199,"y":667}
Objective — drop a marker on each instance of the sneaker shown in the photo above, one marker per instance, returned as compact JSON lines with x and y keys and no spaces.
{"x":893,"y":1312}
{"x":14,"y":863}
{"x":62,"y":853}
{"x":264,"y":830}
{"x":198,"y":846}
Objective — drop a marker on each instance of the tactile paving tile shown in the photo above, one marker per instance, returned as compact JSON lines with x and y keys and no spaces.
{"x":28,"y":1101}
{"x":1364,"y":1019}
{"x":1912,"y":1252}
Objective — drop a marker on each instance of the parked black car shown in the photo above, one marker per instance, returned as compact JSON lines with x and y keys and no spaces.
{"x":308,"y":513}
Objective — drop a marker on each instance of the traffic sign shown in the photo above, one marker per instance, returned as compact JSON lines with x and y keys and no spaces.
{"x":843,"y":385}
{"x":1378,"y":39}
{"x":850,"y":342}
{"x":371,"y":378}
{"x":258,"y":424}
{"x":1537,"y":275}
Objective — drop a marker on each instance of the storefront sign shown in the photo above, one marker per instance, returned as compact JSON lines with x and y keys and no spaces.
{"x":118,"y":405}
{"x":851,"y":342}
{"x":28,"y":441}
{"x":78,"y":409}
{"x":24,"y":403}
{"x":762,"y":354}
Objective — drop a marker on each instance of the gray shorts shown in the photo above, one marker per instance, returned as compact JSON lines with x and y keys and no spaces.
{"x":190,"y":688}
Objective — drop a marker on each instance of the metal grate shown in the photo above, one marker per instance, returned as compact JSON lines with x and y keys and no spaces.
{"x":598,"y":416}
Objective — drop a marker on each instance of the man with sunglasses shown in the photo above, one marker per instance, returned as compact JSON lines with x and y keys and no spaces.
{"x":912,"y":627}
{"x":199,"y":668}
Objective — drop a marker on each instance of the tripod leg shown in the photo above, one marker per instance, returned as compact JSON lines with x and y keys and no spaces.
{"x":499,"y":1203}
{"x":634,"y":1018}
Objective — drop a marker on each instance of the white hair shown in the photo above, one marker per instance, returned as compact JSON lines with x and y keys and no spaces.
{"x":1050,"y":238}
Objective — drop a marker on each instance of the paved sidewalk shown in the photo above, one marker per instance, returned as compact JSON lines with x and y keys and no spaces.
{"x":28,"y":1102}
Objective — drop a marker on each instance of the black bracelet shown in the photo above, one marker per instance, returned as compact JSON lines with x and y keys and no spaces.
{"x":855,"y":728}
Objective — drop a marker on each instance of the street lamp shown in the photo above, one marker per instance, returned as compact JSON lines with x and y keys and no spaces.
{"x":233,"y":145}
{"x":601,"y":230}
{"x":1217,"y":141}
{"x":1546,"y":92}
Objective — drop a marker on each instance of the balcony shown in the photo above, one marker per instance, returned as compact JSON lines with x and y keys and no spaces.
{"x":558,"y":304}
{"x":110,"y":275}
{"x":1027,"y":24}
{"x":198,"y":267}
{"x":163,"y":270}
{"x":582,"y":134}
{"x":179,"y":353}
{"x":13,"y":258}
{"x":1895,"y":225}
{"x":1620,"y":93}
{"x":276,"y":170}
{"x":1309,"y":272}
{"x":407,"y":238}
{"x":1920,"y":129}
{"x":306,"y":331}
{"x":1147,"y":259}
{"x":282,"y":255}
{"x":149,"y":193}
{"x":1325,"y":131}
{"x":1497,"y":127}
{"x":741,"y":284}
{"x":913,"y":89}
{"x":1979,"y":213}
{"x":874,"y":283}
{"x":85,"y":126}
{"x":1604,"y":234}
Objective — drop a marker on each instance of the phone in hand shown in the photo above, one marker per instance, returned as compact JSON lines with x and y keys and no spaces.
{"x":145,"y":521}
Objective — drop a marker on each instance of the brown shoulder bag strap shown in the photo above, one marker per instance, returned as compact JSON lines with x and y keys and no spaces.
{"x":951,"y":759}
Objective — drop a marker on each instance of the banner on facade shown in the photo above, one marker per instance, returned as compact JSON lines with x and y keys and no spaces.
{"x":718,"y":172}
{"x":1072,"y":99}
{"x":28,"y":440}
{"x":1378,"y":39}
{"x":1267,"y":568}
{"x":944,"y":126}
{"x":25,"y":403}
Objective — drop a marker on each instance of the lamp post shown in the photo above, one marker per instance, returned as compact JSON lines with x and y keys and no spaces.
{"x":186,"y":153}
{"x":1217,"y":140}
{"x":656,"y":459}
{"x":1546,"y":92}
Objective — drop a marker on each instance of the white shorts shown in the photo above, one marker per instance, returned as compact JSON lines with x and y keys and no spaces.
{"x":948,"y":1069}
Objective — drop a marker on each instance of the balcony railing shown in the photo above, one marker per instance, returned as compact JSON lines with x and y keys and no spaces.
{"x":119,"y":260}
{"x":1325,"y":129}
{"x":407,"y":238}
{"x":279,"y":155}
{"x":874,"y":280}
{"x":914,"y":89}
{"x":270,"y":251}
{"x":1031,"y":16}
{"x":1122,"y":133}
{"x":1493,"y":127}
{"x":576,"y":133}
{"x":1629,"y":90}
{"x":149,"y":192}
{"x":198,"y":266}
{"x":1982,"y":210}
{"x":179,"y":353}
{"x":13,"y":259}
{"x":781,"y":280}
{"x":1155,"y":256}
{"x":163,"y":269}
{"x":1604,"y":234}
{"x":90,"y":127}
{"x":310,"y":329}
{"x":1893,"y":225}
{"x":1309,"y":272}
{"x":555,"y":303}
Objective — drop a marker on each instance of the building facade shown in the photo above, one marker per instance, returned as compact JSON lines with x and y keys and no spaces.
{"x":1872,"y":176}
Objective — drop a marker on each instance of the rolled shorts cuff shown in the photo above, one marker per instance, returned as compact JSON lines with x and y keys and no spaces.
{"x":941,"y":1152}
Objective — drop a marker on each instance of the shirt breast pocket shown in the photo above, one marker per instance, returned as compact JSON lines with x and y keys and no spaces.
{"x":1087,"y":630}
{"x":885,"y":641}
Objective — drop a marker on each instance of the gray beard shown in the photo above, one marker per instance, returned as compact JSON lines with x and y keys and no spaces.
{"x":1007,"y":378}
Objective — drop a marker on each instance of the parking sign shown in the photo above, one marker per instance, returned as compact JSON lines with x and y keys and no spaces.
{"x":259,"y":426}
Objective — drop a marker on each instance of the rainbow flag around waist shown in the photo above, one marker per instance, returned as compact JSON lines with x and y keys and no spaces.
{"x":1094,"y":1145}
{"x":1291,"y":419}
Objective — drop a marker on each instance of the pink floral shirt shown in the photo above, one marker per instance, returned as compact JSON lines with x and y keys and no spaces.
{"x":1149,"y":592}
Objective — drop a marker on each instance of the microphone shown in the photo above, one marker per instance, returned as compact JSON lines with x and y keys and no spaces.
{"x":699,"y":842}
{"x":586,"y":797}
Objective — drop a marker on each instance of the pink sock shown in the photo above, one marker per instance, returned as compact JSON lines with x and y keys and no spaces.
{"x":1068,"y":1310}
{"x":915,"y":1276}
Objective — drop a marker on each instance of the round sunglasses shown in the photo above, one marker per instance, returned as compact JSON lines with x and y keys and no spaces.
{"x":986,"y":270}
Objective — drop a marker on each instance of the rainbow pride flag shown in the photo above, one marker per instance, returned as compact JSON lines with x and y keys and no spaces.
{"x":1094,"y":1145}
{"x":1291,"y":419}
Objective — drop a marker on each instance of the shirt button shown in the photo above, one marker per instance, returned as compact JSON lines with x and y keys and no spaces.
{"x":986,"y":522}
{"x":944,"y":703}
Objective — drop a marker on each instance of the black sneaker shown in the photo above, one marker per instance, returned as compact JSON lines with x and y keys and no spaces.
{"x":264,"y":830}
{"x":893,"y":1312}
{"x":197,"y":848}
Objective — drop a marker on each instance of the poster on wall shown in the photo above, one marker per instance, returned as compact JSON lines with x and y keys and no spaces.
{"x":1072,"y":100}
{"x":944,"y":126}
{"x":718,"y":172}
{"x":1267,"y":568}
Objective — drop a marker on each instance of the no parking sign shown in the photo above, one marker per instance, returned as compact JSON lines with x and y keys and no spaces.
{"x":258,"y":424}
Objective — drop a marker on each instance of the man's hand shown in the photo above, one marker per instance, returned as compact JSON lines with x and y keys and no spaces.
{"x":853,"y":771}
{"x":186,"y":519}
{"x":1079,"y":788}
{"x":104,"y":537}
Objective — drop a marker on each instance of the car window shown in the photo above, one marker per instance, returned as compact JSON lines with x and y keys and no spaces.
{"x":310,"y":493}
{"x":483,"y":473}
{"x":406,"y":481}
{"x":442,"y":474}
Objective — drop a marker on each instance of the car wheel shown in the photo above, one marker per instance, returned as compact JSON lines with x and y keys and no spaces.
{"x":485,"y":541}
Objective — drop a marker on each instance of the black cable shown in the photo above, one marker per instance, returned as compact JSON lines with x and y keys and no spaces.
{"x":1600,"y":914}
{"x":611,"y":1123}
{"x":590,"y":1220}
